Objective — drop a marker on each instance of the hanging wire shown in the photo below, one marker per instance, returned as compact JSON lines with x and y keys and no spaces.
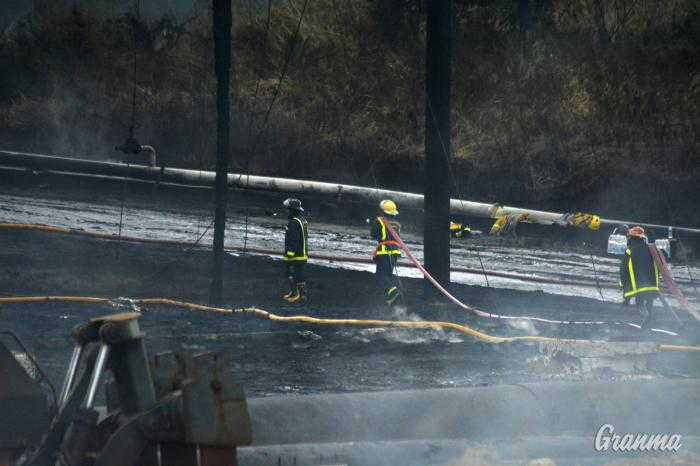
{"x":137,"y":16}
{"x":683,"y":250}
{"x":483,"y":270}
{"x":200,"y":237}
{"x":250,"y":125}
{"x":595,"y":273}
{"x":452,"y":175}
{"x":203,"y":215}
{"x":121,"y":210}
{"x":285,"y":67}
{"x":276,"y":93}
{"x":284,"y":71}
{"x":687,"y":265}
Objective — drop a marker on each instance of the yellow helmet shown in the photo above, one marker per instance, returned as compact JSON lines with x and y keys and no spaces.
{"x":388,"y":207}
{"x":594,"y":224}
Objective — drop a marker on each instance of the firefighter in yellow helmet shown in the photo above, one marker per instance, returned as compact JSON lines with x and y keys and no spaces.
{"x":295,"y":250}
{"x":639,"y":275}
{"x":387,"y":251}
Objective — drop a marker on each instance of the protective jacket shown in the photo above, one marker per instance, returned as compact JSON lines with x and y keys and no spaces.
{"x":638,"y":272}
{"x":507,"y":223}
{"x":459,"y":230}
{"x":385,"y":243}
{"x":296,"y":239}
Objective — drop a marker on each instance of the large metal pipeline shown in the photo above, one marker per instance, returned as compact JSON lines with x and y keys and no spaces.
{"x":558,"y":420}
{"x":263,"y":183}
{"x":494,"y":412}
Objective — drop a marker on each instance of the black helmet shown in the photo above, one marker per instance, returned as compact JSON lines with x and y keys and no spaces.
{"x":293,"y":204}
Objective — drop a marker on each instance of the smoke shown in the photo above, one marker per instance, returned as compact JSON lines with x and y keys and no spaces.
{"x":410,"y":336}
{"x":524,"y":325}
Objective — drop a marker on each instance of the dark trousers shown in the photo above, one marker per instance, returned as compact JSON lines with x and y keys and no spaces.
{"x":295,"y":271}
{"x":385,"y":272}
{"x":646,"y":298}
{"x":642,"y":299}
{"x":645,"y":301}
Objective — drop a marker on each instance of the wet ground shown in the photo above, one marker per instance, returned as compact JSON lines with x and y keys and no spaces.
{"x":293,"y":358}
{"x":143,"y":211}
{"x":272,"y":357}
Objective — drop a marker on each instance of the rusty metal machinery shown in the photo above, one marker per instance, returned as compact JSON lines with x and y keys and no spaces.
{"x":173,"y":409}
{"x":24,"y":408}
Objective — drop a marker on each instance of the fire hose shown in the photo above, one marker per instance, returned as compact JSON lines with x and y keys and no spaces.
{"x":660,"y":261}
{"x":481,"y":313}
{"x":481,"y":336}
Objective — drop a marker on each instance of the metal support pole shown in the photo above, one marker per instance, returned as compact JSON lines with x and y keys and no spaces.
{"x":70,"y":375}
{"x":438,"y":150}
{"x":222,"y":46}
{"x":129,"y":363}
{"x":96,"y":373}
{"x":133,"y":376}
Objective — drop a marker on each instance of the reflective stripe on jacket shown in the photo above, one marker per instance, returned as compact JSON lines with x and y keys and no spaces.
{"x":380,"y":233}
{"x":296,"y":239}
{"x":457,"y":230}
{"x":638,"y":272}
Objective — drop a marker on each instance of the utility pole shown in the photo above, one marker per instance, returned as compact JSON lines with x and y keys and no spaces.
{"x":438,"y":147}
{"x":222,"y":50}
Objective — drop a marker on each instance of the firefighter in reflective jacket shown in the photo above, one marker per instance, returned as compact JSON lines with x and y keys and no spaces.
{"x":460,"y":230}
{"x":639,"y":275}
{"x":295,"y":250}
{"x":387,"y":251}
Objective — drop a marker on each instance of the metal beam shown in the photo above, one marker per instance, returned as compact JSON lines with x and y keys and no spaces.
{"x":436,"y":237}
{"x":222,"y":46}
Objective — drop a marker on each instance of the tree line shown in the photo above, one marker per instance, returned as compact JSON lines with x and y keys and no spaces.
{"x":566,"y":104}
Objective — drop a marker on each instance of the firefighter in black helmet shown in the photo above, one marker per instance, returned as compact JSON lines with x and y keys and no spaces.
{"x":295,"y":250}
{"x":639,"y":275}
{"x":387,"y":251}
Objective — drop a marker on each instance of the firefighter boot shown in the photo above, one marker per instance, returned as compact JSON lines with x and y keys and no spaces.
{"x":292,"y":289}
{"x":299,"y":294}
{"x":391,"y":295}
{"x":646,"y":311}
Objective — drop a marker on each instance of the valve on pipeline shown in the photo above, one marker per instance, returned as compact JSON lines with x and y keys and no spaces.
{"x":131,"y":147}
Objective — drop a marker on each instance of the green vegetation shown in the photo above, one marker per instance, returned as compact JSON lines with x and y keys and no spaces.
{"x":567,"y":104}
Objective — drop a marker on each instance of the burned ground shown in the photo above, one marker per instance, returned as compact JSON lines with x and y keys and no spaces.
{"x":271,"y":357}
